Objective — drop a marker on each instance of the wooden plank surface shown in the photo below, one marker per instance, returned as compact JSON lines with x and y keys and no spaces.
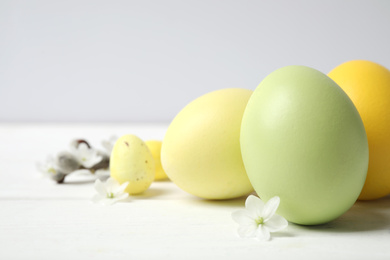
{"x":42,"y":220}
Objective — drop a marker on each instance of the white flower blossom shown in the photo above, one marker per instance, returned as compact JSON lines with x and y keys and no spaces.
{"x":109,"y":192}
{"x":49,"y":168}
{"x":87,"y":157}
{"x":58,"y":167}
{"x":258,"y":219}
{"x":109,"y":144}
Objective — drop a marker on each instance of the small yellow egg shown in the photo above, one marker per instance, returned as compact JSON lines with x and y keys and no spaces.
{"x":155,"y":147}
{"x":131,"y":161}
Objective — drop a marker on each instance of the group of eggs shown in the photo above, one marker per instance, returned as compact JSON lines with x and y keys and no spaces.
{"x":319,"y":142}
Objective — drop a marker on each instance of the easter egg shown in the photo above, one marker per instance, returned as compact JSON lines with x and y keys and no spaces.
{"x":303,"y":140}
{"x":201,"y":148}
{"x":155,"y":147}
{"x":131,"y":161}
{"x":368,"y":85}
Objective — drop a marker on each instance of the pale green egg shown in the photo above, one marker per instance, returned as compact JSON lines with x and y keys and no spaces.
{"x":303,"y":140}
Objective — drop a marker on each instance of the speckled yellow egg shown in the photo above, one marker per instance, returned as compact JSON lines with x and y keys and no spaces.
{"x":131,"y":161}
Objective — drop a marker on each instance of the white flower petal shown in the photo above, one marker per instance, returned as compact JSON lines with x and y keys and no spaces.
{"x":49,"y":167}
{"x":259,"y":219}
{"x":270,"y":208}
{"x":119,"y":198}
{"x":109,"y":192}
{"x":276,"y":223}
{"x":87,"y":157}
{"x":262,"y":233}
{"x":100,"y":188}
{"x":83,"y":147}
{"x":91,"y":160}
{"x":254,"y":205}
{"x":109,"y":144}
{"x":79,"y":150}
{"x":112,"y":185}
{"x":121,"y":188}
{"x":242,"y":217}
{"x":108,"y":202}
{"x":247,"y":230}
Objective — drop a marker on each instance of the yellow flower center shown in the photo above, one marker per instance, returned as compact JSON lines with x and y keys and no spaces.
{"x":259,"y":221}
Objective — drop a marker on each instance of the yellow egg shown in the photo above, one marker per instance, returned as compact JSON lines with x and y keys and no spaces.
{"x":155,"y":147}
{"x":201,"y":149}
{"x":368,"y":85}
{"x":131,"y":161}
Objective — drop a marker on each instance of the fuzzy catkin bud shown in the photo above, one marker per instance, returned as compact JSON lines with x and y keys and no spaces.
{"x":67,"y":163}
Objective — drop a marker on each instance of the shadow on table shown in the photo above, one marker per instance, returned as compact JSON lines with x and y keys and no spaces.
{"x":157,"y":192}
{"x":237,"y":202}
{"x":152,"y":192}
{"x":363,"y":216}
{"x":79,"y":182}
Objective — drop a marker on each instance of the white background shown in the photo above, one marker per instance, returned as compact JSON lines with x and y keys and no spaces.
{"x":143,"y":61}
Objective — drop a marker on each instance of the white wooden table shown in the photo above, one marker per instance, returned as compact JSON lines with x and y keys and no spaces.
{"x":43,"y":220}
